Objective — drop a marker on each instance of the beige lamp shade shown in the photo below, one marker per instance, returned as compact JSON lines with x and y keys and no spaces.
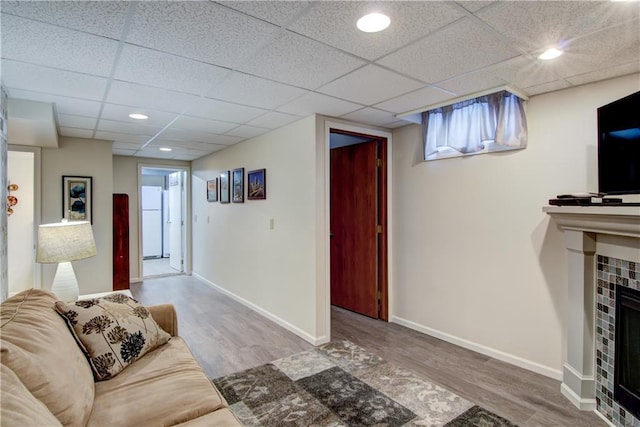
{"x":65,"y":241}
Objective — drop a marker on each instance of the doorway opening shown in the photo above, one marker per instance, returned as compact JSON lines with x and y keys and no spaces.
{"x":358,"y":223}
{"x":162,"y":221}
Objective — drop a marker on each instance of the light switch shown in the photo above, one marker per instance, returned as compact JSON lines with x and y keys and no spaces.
{"x":271,"y":224}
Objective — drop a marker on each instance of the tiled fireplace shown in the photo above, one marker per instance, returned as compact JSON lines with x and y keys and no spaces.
{"x":603,"y":254}
{"x":612,"y":274}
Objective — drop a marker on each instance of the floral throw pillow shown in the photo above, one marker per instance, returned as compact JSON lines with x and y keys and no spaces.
{"x":113,"y":331}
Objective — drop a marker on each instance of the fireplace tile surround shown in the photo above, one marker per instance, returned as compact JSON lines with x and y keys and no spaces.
{"x":603,"y":251}
{"x":611,"y":272}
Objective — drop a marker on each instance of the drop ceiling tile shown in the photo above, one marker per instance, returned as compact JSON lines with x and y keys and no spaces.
{"x":474,"y":5}
{"x":547,"y":87}
{"x":244,"y":131}
{"x":123,"y":137}
{"x":199,"y":30}
{"x":157,"y":119}
{"x":299,"y":61}
{"x":273,"y":120}
{"x":520,"y":72}
{"x":604,"y":49}
{"x":334,"y":23}
{"x":220,"y":110}
{"x":129,"y":128}
{"x":202,"y":125}
{"x":75,"y":133}
{"x":126,"y":145}
{"x":255,"y":91}
{"x":190,"y":135}
{"x":18,"y":75}
{"x":149,"y":97}
{"x":123,"y":152}
{"x":414,"y":100}
{"x":154,"y":153}
{"x":459,"y":48}
{"x":153,"y":68}
{"x":318,"y":103}
{"x":371,"y":116}
{"x":44,"y":44}
{"x":63,"y":104}
{"x":370,"y":85}
{"x":538,"y":24}
{"x":81,"y":122}
{"x":185,"y":145}
{"x":606,"y":73}
{"x":275,"y":12}
{"x":105,"y":18}
{"x":396,"y":124}
{"x":188,"y":157}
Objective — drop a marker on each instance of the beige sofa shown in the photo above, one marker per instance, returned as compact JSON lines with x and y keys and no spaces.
{"x":47,"y":381}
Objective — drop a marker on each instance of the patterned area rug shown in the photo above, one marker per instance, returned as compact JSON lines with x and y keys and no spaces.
{"x":341,"y":384}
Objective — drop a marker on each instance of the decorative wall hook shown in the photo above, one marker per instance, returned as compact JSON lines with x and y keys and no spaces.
{"x":11,"y":200}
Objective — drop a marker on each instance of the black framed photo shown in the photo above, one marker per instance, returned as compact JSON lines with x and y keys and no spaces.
{"x":237,"y":181}
{"x":257,"y":184}
{"x":77,"y":198}
{"x":212,"y":190}
{"x":224,"y":187}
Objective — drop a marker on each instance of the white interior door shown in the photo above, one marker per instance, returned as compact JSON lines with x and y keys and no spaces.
{"x":176,"y":222}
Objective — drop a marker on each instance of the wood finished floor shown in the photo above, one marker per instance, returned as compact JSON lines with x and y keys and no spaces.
{"x":226,"y":337}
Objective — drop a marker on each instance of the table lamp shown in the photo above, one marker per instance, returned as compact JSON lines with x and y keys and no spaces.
{"x":62,"y":243}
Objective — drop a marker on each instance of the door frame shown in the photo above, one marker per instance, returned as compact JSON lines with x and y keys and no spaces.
{"x":37,"y":203}
{"x":186,"y":205}
{"x":324,"y":304}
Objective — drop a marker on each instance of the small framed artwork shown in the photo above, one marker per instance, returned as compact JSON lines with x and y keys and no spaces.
{"x":238,"y":185}
{"x":257,"y":184}
{"x":224,"y":187}
{"x":77,"y":198}
{"x":212,"y":190}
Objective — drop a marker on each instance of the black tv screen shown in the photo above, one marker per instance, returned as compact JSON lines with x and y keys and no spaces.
{"x":619,"y":146}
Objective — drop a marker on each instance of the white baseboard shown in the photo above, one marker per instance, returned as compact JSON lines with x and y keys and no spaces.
{"x":579,"y":402}
{"x":135,"y":280}
{"x":288,"y":326}
{"x":496,"y":354}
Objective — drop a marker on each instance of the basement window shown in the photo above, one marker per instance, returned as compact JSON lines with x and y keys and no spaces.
{"x":488,"y":123}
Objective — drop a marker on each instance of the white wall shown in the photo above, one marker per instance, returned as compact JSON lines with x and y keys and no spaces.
{"x":82,"y":157}
{"x":272,"y":270}
{"x":476,"y":261}
{"x":125,"y":181}
{"x":21,"y":253}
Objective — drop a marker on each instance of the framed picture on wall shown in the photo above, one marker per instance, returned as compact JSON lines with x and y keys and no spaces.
{"x":224,"y":187}
{"x":212,"y":190}
{"x":77,"y":198}
{"x":238,"y":185}
{"x":257,"y":184}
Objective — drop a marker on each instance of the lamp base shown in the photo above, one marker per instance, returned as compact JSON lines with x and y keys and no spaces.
{"x":65,"y":284}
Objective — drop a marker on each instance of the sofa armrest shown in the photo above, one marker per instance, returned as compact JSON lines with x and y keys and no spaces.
{"x":166,"y":317}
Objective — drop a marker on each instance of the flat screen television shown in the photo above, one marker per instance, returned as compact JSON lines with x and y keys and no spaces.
{"x":619,"y":146}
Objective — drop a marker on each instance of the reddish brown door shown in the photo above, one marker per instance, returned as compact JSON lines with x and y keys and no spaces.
{"x":120,"y":242}
{"x":354,"y":235}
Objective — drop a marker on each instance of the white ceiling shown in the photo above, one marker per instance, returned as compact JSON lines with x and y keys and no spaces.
{"x":212,"y":74}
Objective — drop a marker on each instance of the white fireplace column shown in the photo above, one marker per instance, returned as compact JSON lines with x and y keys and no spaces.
{"x":578,"y":380}
{"x":588,"y":229}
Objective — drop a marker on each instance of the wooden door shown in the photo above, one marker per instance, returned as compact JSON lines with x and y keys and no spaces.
{"x":354,"y":231}
{"x":120,"y":242}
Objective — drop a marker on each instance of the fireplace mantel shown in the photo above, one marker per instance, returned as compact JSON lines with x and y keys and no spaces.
{"x":607,"y":230}
{"x":615,"y":220}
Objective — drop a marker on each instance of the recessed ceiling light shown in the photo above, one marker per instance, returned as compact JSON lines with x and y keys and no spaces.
{"x":165,"y":149}
{"x":138,"y":116}
{"x":373,"y":22}
{"x":550,"y":53}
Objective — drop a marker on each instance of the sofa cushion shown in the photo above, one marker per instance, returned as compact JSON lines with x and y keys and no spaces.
{"x":165,"y":387}
{"x":19,"y":407}
{"x":114,"y":331}
{"x":221,"y":418}
{"x":37,"y":346}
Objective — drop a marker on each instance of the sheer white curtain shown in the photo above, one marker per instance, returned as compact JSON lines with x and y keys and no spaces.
{"x":468,"y":125}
